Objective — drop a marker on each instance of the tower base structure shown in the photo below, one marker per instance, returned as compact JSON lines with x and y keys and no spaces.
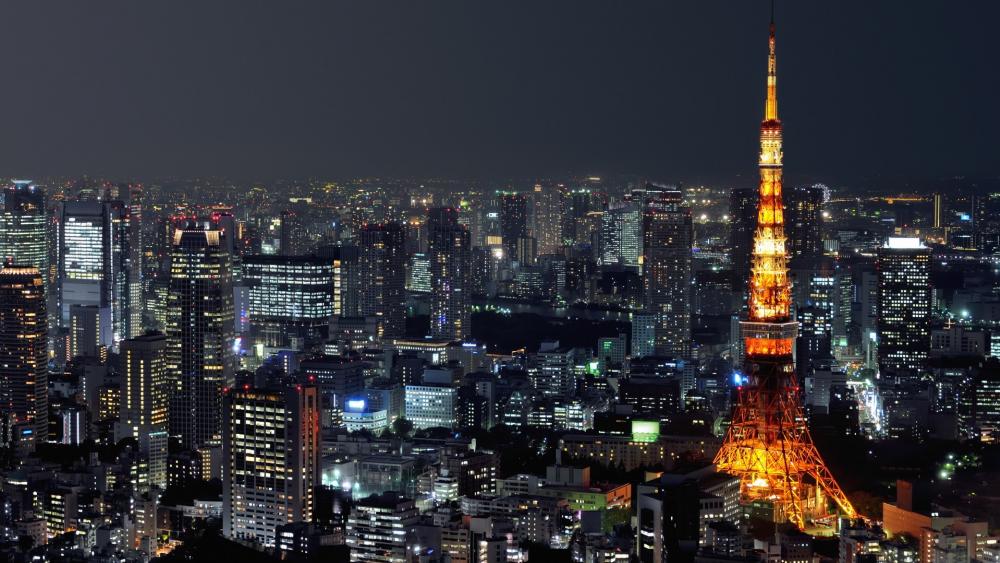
{"x":768,"y":445}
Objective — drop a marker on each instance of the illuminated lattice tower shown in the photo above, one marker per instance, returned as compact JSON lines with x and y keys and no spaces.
{"x":768,"y":445}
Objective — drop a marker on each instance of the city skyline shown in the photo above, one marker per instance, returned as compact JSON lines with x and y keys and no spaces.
{"x":614,"y":368}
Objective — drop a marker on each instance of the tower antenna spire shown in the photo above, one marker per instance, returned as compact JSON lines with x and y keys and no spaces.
{"x":771,"y":106}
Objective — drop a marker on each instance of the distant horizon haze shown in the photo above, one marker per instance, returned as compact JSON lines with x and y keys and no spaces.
{"x":671,"y":91}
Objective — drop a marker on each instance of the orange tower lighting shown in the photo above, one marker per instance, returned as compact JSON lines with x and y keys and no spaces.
{"x":768,"y":445}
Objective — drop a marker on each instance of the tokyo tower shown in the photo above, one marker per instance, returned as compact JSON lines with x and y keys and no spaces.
{"x":768,"y":445}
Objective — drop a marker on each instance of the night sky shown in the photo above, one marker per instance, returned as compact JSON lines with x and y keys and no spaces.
{"x":670,"y":90}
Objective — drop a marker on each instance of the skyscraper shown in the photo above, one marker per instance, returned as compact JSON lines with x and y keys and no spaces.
{"x":270,"y":462}
{"x":938,"y":211}
{"x":382,"y":276}
{"x":667,"y":237}
{"x":903,"y":306}
{"x":978,"y":211}
{"x":979,"y":403}
{"x":24,"y":227}
{"x":743,"y":223}
{"x":98,"y":262}
{"x":200,"y":333}
{"x":579,"y":204}
{"x":23,"y":352}
{"x":145,"y":400}
{"x":546,"y":218}
{"x":82,"y":272}
{"x":513,"y":221}
{"x":289,"y":297}
{"x":291,"y":234}
{"x":621,"y":235}
{"x":451,"y":269}
{"x":768,"y":446}
{"x":815,"y":297}
{"x":132,"y":322}
{"x":418,"y":275}
{"x":984,"y":223}
{"x":121,"y":269}
{"x":804,"y":211}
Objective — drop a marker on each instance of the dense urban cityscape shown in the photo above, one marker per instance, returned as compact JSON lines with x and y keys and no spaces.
{"x":587,"y":369}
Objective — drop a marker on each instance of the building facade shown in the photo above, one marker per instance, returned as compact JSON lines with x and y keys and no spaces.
{"x":450,"y":254}
{"x":270,"y":461}
{"x":382,"y":276}
{"x":23,"y":353}
{"x":667,"y":239}
{"x":200,"y":334}
{"x":903,"y":306}
{"x":145,"y":399}
{"x":430,"y":406}
{"x":289,"y":297}
{"x":377,"y":527}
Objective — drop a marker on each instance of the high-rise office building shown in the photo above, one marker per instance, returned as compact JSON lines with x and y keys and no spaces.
{"x":289,"y":297}
{"x":815,"y":298}
{"x":82,"y":272}
{"x":804,"y":210}
{"x":904,"y":306}
{"x":483,"y":275}
{"x":742,"y":224}
{"x":843,"y":304}
{"x":667,"y":240}
{"x":979,"y":211}
{"x":98,"y":264}
{"x":292,"y":241}
{"x":24,"y":227}
{"x":23,"y":352}
{"x":621,"y":235}
{"x":984,"y":223}
{"x":122,"y":269}
{"x":382,"y":276}
{"x":145,"y":400}
{"x":451,"y":269}
{"x":938,"y":211}
{"x":200,"y":334}
{"x":546,"y":218}
{"x":418,"y":275}
{"x":513,"y":221}
{"x":979,"y":403}
{"x":270,"y":461}
{"x":131,"y":195}
{"x":579,"y":206}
